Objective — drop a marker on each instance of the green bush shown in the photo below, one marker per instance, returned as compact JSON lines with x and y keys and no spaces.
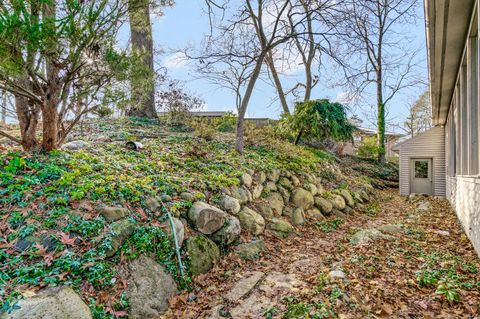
{"x":368,"y":148}
{"x":227,"y":122}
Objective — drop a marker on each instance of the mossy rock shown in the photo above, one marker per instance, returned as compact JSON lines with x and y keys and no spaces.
{"x":250,"y":250}
{"x":203,"y":254}
{"x":280,"y":227}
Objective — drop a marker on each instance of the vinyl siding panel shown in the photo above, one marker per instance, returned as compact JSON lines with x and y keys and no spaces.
{"x":430,"y":144}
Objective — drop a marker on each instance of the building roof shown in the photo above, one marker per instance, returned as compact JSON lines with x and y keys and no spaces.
{"x":447,"y":24}
{"x":217,"y":114}
{"x":404,"y":143}
{"x":369,"y":131}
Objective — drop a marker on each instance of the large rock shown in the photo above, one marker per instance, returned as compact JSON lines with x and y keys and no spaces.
{"x":285,"y":194}
{"x":203,"y":254}
{"x":347,"y":197}
{"x":179,"y":231}
{"x":187,"y":196}
{"x":241,"y":193}
{"x":250,"y":250}
{"x":153,"y":204}
{"x":51,"y":303}
{"x":270,"y":187}
{"x":206,"y":218}
{"x":274,"y":175}
{"x":265,"y":210}
{"x":302,"y":198}
{"x":295,"y":180}
{"x":298,"y":216}
{"x":246,"y":179}
{"x":338,"y":202}
{"x":229,"y":233}
{"x":112,"y":213}
{"x":286,"y":183}
{"x":119,"y":232}
{"x":313,"y":189}
{"x":314,"y":213}
{"x":230,"y":204}
{"x":251,"y":221}
{"x":280,"y":227}
{"x":324,"y":205}
{"x":75,"y":145}
{"x":275,"y":200}
{"x":260,"y":177}
{"x":244,"y":286}
{"x":149,"y":288}
{"x":257,"y":191}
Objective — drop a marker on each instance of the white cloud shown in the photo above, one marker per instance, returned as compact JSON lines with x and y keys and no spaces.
{"x":177,"y":60}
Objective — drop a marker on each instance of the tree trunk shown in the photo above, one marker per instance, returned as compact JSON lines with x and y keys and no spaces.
{"x":143,"y":81}
{"x":380,"y":120}
{"x":27,"y":115}
{"x":50,"y":126}
{"x":278,"y":83}
{"x":243,"y":108}
{"x":308,"y":81}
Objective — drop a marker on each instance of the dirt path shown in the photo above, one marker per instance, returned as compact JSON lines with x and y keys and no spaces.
{"x":417,"y":264}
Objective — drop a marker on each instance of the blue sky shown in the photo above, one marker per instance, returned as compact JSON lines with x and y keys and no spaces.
{"x":186,"y":23}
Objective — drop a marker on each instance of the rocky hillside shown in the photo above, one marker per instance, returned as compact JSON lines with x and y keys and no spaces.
{"x":102,"y":229}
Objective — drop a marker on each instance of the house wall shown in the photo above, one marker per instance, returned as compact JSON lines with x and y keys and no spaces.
{"x":462,"y":140}
{"x":430,"y":144}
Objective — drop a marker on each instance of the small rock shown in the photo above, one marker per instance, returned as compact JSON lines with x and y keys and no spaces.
{"x":280,"y":227}
{"x":244,"y":286}
{"x":442,"y":232}
{"x":338,"y":202}
{"x":285,"y":194}
{"x":230,"y":204}
{"x":265,"y":210}
{"x":23,"y":244}
{"x":320,"y":189}
{"x":250,"y":250}
{"x":347,"y":210}
{"x":313,"y":189}
{"x":337,"y":213}
{"x":152,"y":204}
{"x":206,"y":218}
{"x":112,"y":213}
{"x":52,"y":303}
{"x":257,"y":191}
{"x":189,"y":197}
{"x":241,"y":193}
{"x":302,"y":198}
{"x":229,"y":233}
{"x":166,"y":198}
{"x":298,"y":217}
{"x":357,"y":197}
{"x":179,"y":229}
{"x":149,"y":288}
{"x":324,"y":205}
{"x":203,"y":254}
{"x":246,"y":179}
{"x":275,"y":200}
{"x":314,"y":213}
{"x":365,"y":236}
{"x":336,"y":274}
{"x":251,"y":221}
{"x":274,"y":175}
{"x":119,"y":231}
{"x":423,"y":206}
{"x":391,"y":229}
{"x":260,"y":178}
{"x":270,"y":187}
{"x":286,"y":183}
{"x":75,"y":145}
{"x":347,"y":197}
{"x":295,"y":181}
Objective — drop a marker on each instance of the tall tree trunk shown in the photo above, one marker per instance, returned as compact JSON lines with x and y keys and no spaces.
{"x":278,"y":83}
{"x":243,"y":107}
{"x":380,"y":119}
{"x":308,"y":81}
{"x":27,"y":115}
{"x":143,"y":82}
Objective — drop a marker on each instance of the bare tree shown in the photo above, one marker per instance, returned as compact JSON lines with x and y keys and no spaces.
{"x":419,"y":117}
{"x":378,"y":53}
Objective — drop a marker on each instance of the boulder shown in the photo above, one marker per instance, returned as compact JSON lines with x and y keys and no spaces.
{"x":302,"y":198}
{"x":285,"y":194}
{"x":280,"y":227}
{"x":270,"y":187}
{"x":229,"y":204}
{"x":313,"y":189}
{"x":298,"y":217}
{"x":250,"y":250}
{"x":257,"y":191}
{"x":275,"y":200}
{"x":285,"y":182}
{"x":75,"y":145}
{"x":241,"y":193}
{"x":119,"y":232}
{"x":251,"y":221}
{"x":206,"y":218}
{"x":347,"y":197}
{"x":189,"y":197}
{"x":52,"y":303}
{"x":265,"y":210}
{"x":246,"y":179}
{"x":203,"y":254}
{"x":273,"y":175}
{"x":324,"y":205}
{"x":229,"y":233}
{"x":314,"y":213}
{"x":112,"y":213}
{"x":338,"y":202}
{"x":179,"y":231}
{"x":152,"y":204}
{"x":295,"y":180}
{"x":149,"y":288}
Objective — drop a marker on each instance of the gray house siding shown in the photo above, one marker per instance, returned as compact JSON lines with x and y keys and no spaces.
{"x":430,"y":144}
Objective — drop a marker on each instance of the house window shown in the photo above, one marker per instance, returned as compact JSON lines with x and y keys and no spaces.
{"x":421,"y":169}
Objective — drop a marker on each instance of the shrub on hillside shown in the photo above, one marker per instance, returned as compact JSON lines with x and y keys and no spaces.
{"x":227,"y":122}
{"x":368,"y":148}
